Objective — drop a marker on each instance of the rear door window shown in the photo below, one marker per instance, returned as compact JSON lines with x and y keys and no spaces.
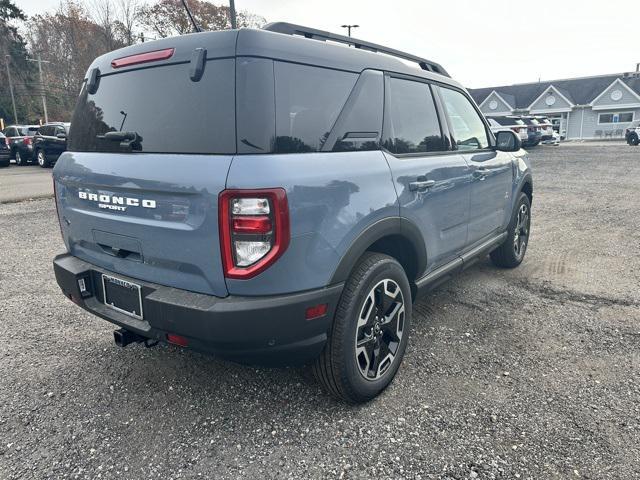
{"x":159,"y":110}
{"x":308,"y":102}
{"x":411,"y":123}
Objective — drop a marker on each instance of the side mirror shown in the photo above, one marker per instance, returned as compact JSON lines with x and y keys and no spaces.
{"x":62,"y":136}
{"x":508,"y":141}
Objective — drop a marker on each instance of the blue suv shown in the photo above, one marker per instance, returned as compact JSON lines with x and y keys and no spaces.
{"x":280,"y":196}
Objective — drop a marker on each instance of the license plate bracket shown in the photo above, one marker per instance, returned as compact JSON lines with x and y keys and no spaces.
{"x":122,"y":296}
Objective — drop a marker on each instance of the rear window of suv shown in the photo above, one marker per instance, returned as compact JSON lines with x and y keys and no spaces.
{"x":158,"y":110}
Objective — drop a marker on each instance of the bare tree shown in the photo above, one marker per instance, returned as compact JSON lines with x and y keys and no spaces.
{"x":103,"y":13}
{"x":128,"y":17}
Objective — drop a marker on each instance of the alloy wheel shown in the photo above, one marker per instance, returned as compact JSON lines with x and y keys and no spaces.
{"x":380,"y":329}
{"x":40,"y":158}
{"x":18,"y":158}
{"x":521,"y":235}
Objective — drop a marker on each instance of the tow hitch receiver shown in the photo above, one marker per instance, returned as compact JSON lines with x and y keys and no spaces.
{"x":124,"y":337}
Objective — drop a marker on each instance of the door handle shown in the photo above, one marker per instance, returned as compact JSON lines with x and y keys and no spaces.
{"x":421,"y":185}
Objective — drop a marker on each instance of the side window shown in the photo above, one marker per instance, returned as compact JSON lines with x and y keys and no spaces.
{"x":308,"y":102}
{"x":411,"y":125}
{"x":359,"y":127}
{"x":43,"y":131}
{"x":59,"y":130}
{"x":467,"y":127}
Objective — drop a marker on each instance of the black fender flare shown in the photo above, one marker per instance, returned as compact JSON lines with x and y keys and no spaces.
{"x":382,"y":228}
{"x":527,"y":179}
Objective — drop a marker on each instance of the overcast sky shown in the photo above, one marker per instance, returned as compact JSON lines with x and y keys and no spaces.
{"x":481,"y":43}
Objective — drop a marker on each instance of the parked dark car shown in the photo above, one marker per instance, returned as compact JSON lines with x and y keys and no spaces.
{"x":534,"y":130}
{"x":21,"y":142}
{"x":49,"y":143}
{"x":5,"y":153}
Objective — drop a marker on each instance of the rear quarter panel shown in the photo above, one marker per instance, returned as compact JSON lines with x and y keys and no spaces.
{"x":332,"y":198}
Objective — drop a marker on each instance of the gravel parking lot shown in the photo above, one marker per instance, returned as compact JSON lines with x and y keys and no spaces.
{"x":530,"y":373}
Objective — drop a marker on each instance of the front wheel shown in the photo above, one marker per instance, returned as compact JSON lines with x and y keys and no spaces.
{"x":19,"y":160}
{"x":633,"y":139}
{"x":511,"y":253}
{"x":370,"y":331}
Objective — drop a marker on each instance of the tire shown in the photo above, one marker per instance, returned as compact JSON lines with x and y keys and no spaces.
{"x":41,"y":158}
{"x":19,"y":160}
{"x":377,"y":284}
{"x":6,"y":163}
{"x":512,"y":251}
{"x":633,"y":139}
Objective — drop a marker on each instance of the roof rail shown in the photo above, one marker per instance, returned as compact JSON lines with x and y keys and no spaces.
{"x":315,"y":34}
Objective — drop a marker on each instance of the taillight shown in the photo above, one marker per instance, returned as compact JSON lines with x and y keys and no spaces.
{"x":254,"y":230}
{"x":26,"y":140}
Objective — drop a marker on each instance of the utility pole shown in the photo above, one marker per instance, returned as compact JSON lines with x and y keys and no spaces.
{"x":232,"y":11}
{"x":349,"y":27}
{"x":13,"y":100}
{"x":44,"y":97}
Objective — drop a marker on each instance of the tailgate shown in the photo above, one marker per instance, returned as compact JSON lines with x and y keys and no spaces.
{"x":145,"y":218}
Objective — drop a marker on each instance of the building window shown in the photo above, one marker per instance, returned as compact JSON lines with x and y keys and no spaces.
{"x":615,"y":117}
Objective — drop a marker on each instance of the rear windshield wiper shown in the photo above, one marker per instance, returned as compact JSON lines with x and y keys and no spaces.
{"x":127,"y":139}
{"x":120,"y":136}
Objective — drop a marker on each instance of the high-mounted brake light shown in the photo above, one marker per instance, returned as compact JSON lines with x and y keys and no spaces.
{"x":138,"y":58}
{"x":254,"y":230}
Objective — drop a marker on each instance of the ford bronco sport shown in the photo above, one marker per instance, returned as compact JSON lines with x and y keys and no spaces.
{"x":280,"y":196}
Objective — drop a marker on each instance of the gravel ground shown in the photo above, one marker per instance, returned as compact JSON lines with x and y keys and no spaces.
{"x":530,"y":373}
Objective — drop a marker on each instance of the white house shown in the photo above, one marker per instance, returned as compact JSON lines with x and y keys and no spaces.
{"x":583,"y":108}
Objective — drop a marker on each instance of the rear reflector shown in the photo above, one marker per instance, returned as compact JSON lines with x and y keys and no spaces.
{"x":316,"y":311}
{"x":153,"y":56}
{"x":177,"y":340}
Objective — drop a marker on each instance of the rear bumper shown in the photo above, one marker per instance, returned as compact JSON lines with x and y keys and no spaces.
{"x":258,"y":330}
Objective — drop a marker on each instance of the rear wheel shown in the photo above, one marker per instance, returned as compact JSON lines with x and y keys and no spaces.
{"x":370,"y":332}
{"x":633,"y":139}
{"x":511,"y":253}
{"x":42,"y":159}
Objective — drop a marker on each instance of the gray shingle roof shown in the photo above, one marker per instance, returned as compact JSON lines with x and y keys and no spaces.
{"x":579,"y":90}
